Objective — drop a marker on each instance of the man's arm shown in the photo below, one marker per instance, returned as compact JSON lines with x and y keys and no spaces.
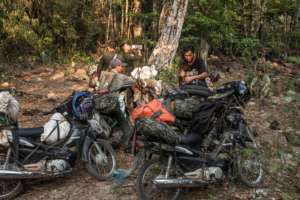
{"x":93,"y":80}
{"x":100,"y":64}
{"x":181,"y":74}
{"x":201,"y":76}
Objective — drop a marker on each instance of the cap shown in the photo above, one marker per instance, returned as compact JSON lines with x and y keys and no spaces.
{"x":124,"y":42}
{"x":116,"y":62}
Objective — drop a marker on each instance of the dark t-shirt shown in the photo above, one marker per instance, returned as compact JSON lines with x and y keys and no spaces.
{"x":106,"y":60}
{"x":196,"y":68}
{"x":130,"y":59}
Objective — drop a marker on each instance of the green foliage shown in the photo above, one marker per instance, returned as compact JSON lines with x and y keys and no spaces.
{"x":250,"y":76}
{"x":54,"y":28}
{"x":59,"y":29}
{"x":247,"y":47}
{"x":230,"y":26}
{"x":294,"y":59}
{"x":169,"y":75}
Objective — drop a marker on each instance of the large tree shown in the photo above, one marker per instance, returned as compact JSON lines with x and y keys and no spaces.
{"x":165,"y":50}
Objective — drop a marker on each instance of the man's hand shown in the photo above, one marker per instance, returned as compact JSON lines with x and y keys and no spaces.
{"x":94,"y":80}
{"x":188,"y":79}
{"x":139,"y":53}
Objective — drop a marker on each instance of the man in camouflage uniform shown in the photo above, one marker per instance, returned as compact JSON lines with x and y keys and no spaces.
{"x":5,"y":121}
{"x":260,"y":85}
{"x":107,"y":57}
{"x":113,"y":102}
{"x":129,"y":56}
{"x":103,"y":65}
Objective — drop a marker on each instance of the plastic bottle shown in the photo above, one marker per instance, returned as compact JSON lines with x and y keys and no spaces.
{"x":209,"y":83}
{"x":119,"y":176}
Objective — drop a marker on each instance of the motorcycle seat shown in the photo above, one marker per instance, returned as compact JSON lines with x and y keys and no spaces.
{"x":29,"y":132}
{"x":191,"y":139}
{"x":197,"y":90}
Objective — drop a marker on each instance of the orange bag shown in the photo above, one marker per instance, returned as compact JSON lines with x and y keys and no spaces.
{"x":151,"y":108}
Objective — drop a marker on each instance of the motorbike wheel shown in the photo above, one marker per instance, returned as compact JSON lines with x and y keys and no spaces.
{"x":9,"y":189}
{"x":137,"y":162}
{"x":249,"y":160}
{"x":147,"y":190}
{"x":101,"y":160}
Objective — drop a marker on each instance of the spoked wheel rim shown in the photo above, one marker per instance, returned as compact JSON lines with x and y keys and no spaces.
{"x":249,"y":161}
{"x":101,"y":159}
{"x":250,"y":166}
{"x":9,"y":188}
{"x":151,"y":191}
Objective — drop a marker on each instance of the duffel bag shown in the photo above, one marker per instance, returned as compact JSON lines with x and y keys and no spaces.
{"x":157,"y":131}
{"x":155,"y":109}
{"x":107,"y":104}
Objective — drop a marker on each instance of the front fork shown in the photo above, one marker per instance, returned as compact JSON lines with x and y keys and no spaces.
{"x":170,"y":159}
{"x":7,"y":158}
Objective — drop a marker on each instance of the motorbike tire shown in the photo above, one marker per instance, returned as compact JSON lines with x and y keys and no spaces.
{"x":138,"y":160}
{"x":92,"y":165}
{"x":17,"y":184}
{"x":14,"y":192}
{"x":175,"y":195}
{"x":251,"y":150}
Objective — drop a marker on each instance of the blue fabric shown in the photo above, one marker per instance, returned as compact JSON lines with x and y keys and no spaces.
{"x":76,"y":97}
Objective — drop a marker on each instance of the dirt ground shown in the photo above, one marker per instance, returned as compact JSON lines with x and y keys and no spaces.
{"x":42,"y":88}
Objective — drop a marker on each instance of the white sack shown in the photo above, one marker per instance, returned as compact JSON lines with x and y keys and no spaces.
{"x":4,"y":137}
{"x":9,"y":105}
{"x":50,"y":136}
{"x":143,"y":73}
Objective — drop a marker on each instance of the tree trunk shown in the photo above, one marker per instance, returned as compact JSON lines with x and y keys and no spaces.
{"x":204,"y":48}
{"x":122,"y":19}
{"x":109,"y":21}
{"x":126,"y":27}
{"x":258,"y":12}
{"x":297,"y":15}
{"x":154,"y":21}
{"x":165,"y":50}
{"x":115,"y":23}
{"x":137,"y":24}
{"x":166,"y":9}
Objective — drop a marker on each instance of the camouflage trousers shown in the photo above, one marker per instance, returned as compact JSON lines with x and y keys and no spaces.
{"x":5,"y":121}
{"x":107,"y":104}
{"x":158,"y":131}
{"x":184,"y":108}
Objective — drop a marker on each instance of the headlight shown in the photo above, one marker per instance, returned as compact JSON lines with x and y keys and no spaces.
{"x":242,"y":88}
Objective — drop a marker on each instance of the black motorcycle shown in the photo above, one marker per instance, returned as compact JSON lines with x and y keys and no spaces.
{"x":219,"y":144}
{"x":27,"y":158}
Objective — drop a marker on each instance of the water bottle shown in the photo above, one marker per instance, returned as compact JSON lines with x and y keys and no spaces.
{"x":209,"y":83}
{"x":119,"y":176}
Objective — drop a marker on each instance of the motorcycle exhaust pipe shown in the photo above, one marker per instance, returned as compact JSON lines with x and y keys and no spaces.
{"x":11,"y":174}
{"x":179,"y":183}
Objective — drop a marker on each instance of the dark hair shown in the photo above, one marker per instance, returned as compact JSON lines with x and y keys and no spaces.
{"x":123,"y":43}
{"x":112,"y":44}
{"x":187,"y":49}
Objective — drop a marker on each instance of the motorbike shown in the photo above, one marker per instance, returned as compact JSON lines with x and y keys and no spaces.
{"x":28,"y":154}
{"x":219,"y":146}
{"x":120,"y":133}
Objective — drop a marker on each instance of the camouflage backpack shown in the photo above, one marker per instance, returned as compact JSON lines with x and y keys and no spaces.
{"x":107,"y":103}
{"x":184,"y":108}
{"x":158,"y":131}
{"x":5,"y":121}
